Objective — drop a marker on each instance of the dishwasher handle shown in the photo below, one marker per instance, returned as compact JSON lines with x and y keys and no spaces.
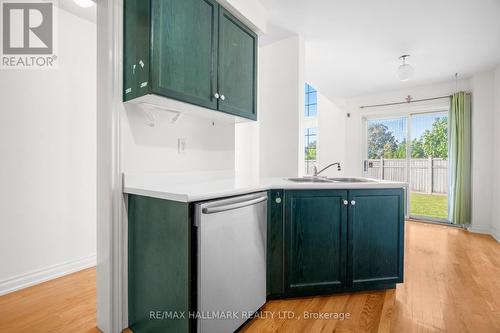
{"x":223,"y":208}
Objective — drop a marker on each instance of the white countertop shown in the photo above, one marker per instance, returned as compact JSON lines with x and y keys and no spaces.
{"x":191,"y":187}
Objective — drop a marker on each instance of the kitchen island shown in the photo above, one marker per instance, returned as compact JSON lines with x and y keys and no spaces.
{"x":321,"y":238}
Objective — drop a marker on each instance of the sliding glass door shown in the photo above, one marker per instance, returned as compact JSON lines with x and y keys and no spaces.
{"x":414,"y":149}
{"x":429,"y":166}
{"x":386,"y":149}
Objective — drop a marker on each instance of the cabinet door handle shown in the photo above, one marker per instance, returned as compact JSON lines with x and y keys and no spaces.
{"x":216,"y":95}
{"x":353,"y":202}
{"x":222,"y":97}
{"x":345,"y":202}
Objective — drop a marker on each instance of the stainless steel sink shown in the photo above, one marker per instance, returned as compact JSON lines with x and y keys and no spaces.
{"x":330,"y":180}
{"x":311,"y":180}
{"x":351,"y":180}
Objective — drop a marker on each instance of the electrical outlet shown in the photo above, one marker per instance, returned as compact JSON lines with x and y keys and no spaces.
{"x":181,"y":145}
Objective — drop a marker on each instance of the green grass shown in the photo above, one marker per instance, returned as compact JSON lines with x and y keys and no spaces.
{"x":428,"y":205}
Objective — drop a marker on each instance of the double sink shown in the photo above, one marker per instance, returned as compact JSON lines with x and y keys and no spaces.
{"x":312,"y":179}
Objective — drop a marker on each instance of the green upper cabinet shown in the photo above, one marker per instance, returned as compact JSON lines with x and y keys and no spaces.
{"x":315,"y":241}
{"x":376,"y":237}
{"x":184,"y":40}
{"x":237,"y":67}
{"x":135,"y":49}
{"x":192,"y":51}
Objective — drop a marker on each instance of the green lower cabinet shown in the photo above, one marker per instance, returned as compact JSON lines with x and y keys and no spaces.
{"x":376,"y":237}
{"x":315,"y":241}
{"x":319,"y":242}
{"x":275,"y":232}
{"x":323,"y":241}
{"x":159,"y":265}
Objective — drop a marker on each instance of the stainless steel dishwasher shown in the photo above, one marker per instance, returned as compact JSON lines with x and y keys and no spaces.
{"x":231,"y":237}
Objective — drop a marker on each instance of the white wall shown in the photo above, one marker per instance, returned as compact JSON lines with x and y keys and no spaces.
{"x":332,"y":143}
{"x":209,"y":144}
{"x":495,"y":222}
{"x":247,"y":150}
{"x":281,"y":99}
{"x":274,"y":144}
{"x":483,"y":149}
{"x":48,"y":164}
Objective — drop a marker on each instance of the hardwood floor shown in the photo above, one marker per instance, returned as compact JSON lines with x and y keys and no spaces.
{"x":66,"y":304}
{"x":452,"y":284}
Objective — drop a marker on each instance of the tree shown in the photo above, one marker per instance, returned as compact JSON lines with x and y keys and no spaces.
{"x":435,"y":141}
{"x":311,"y":151}
{"x":381,"y":141}
{"x":417,"y":148}
{"x":432,"y":142}
{"x":401,"y":150}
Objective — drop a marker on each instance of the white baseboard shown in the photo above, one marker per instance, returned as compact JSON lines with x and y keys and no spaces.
{"x":45,"y":274}
{"x":493,"y":232}
{"x":479,"y":229}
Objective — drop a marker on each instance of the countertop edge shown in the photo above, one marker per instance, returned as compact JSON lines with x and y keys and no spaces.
{"x":190,"y":198}
{"x":156,"y":194}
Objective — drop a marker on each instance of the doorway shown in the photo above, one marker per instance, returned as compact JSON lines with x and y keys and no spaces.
{"x":412,"y":148}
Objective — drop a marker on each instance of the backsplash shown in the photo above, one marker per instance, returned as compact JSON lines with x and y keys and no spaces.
{"x":209,"y":144}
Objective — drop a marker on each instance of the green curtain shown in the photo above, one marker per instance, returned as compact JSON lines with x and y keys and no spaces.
{"x":460,"y":159}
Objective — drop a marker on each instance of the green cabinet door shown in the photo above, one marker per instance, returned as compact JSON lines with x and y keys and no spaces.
{"x":237,"y":71}
{"x":376,"y":237}
{"x":159,"y":265}
{"x":136,"y":19}
{"x":183,"y":50}
{"x":315,"y":241}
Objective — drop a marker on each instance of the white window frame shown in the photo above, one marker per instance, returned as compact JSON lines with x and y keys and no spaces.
{"x":309,"y":122}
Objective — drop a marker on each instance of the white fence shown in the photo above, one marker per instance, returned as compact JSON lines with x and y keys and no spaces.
{"x":309,"y":167}
{"x":428,"y":175}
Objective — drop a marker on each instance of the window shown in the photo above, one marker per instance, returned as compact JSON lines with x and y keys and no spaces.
{"x":311,"y":130}
{"x":311,"y":99}
{"x":310,"y":143}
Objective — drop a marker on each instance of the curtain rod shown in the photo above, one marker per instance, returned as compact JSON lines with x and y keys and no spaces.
{"x":408,"y":101}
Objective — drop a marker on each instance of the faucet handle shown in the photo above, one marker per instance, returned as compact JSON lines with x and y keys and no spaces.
{"x":315,"y":170}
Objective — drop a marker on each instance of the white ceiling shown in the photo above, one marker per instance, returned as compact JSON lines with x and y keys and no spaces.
{"x":352,"y":47}
{"x":89,"y":14}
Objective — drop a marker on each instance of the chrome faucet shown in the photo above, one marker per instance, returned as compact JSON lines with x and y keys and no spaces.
{"x":316,"y":172}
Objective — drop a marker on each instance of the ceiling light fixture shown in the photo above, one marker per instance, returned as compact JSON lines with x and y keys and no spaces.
{"x":405,"y":71}
{"x":84,"y":3}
